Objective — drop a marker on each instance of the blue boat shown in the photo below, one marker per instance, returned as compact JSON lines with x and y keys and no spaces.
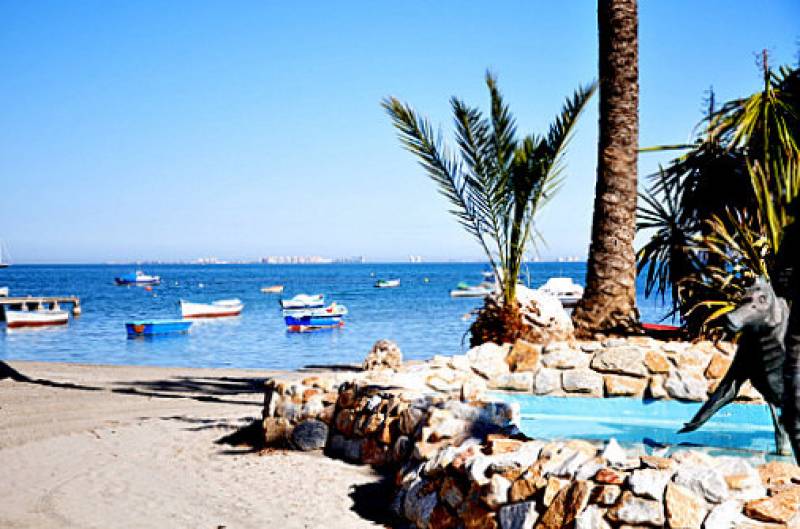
{"x":157,"y":327}
{"x":137,"y":278}
{"x":309,"y":320}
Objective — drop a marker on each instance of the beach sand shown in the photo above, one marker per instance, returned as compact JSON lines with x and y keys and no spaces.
{"x":128,"y":446}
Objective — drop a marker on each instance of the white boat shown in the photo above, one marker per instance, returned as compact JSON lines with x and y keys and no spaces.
{"x":387,"y":283}
{"x":303,"y":301}
{"x":563,"y":288}
{"x":274,"y":289}
{"x":36,"y":318}
{"x":3,"y":292}
{"x":217,"y":309}
{"x":332,"y":310}
{"x":137,"y":278}
{"x":477,"y":291}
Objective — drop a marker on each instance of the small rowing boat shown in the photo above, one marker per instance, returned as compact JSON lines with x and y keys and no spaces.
{"x":325,"y":316}
{"x":312,"y":328}
{"x":137,"y":278}
{"x":387,"y":283}
{"x":36,"y":318}
{"x":464,"y":290}
{"x":274,"y":289}
{"x":217,"y":309}
{"x":3,"y":292}
{"x":303,"y":301}
{"x":157,"y":327}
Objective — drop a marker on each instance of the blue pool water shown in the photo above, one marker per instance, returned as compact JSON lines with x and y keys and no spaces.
{"x":737,"y":427}
{"x":419,"y":315}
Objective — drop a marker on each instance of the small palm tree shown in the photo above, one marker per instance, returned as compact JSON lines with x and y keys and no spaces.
{"x":496,"y":182}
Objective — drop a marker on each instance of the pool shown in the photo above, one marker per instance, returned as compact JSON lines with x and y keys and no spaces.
{"x":651,"y":423}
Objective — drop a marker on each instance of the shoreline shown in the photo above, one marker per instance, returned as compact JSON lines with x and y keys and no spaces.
{"x":136,"y":446}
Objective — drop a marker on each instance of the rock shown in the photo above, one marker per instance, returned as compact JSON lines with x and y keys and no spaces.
{"x":718,"y":366}
{"x":546,"y":381}
{"x":683,"y":508}
{"x":658,"y":463}
{"x":475,"y":516}
{"x":524,"y":356}
{"x":551,"y":490}
{"x":633,"y":510}
{"x":489,"y":360}
{"x":544,"y":316}
{"x":442,"y":519}
{"x":610,"y":476}
{"x":656,"y":387}
{"x":742,"y":479}
{"x":591,"y":518}
{"x":748,"y":393}
{"x":497,"y":491}
{"x":513,"y":381}
{"x":624,"y":360}
{"x":614,"y":453}
{"x":724,"y":515}
{"x":656,"y":362}
{"x":566,"y":506}
{"x":649,"y":483}
{"x":686,"y":385}
{"x":622,"y":386}
{"x":590,"y":468}
{"x":778,"y":473}
{"x":276,"y":430}
{"x":518,"y":515}
{"x":451,"y":493}
{"x":459,"y":363}
{"x":779,"y":508}
{"x":524,"y":487}
{"x":384,"y":354}
{"x":674,"y":347}
{"x":614,"y":342}
{"x":591,"y":347}
{"x":565,"y":359}
{"x":310,"y":434}
{"x":605,"y":494}
{"x":703,"y":481}
{"x":582,"y":381}
{"x":347,"y":449}
{"x":418,"y":504}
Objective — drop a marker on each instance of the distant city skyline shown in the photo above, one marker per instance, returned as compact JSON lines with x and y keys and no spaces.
{"x":166,"y":131}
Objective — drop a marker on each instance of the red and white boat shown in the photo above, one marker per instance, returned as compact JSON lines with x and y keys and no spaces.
{"x":217,"y":309}
{"x":36,"y":318}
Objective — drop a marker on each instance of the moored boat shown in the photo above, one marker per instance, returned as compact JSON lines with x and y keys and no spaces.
{"x":567,"y":292}
{"x":137,"y":278}
{"x":3,"y":292}
{"x":387,"y":283}
{"x":3,"y":260}
{"x":311,"y":328}
{"x":464,"y":290}
{"x":324,"y":316}
{"x":274,"y":289}
{"x":217,"y":309}
{"x":303,"y":301}
{"x":157,"y":327}
{"x":36,"y":318}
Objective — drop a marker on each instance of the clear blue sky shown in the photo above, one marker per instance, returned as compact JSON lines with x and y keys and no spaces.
{"x":170,"y":130}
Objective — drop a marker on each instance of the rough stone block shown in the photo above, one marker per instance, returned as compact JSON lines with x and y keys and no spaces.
{"x":582,"y":381}
{"x":622,"y":386}
{"x":624,"y":360}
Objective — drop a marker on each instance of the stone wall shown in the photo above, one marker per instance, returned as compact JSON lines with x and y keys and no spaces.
{"x":465,"y":464}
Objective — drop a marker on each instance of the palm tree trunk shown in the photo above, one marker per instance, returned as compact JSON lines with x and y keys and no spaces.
{"x":609,"y":300}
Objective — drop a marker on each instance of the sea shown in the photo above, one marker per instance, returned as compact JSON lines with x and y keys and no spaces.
{"x":419,"y":315}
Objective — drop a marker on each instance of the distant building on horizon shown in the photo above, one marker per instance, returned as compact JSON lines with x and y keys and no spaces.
{"x":296,"y":259}
{"x":414,"y":258}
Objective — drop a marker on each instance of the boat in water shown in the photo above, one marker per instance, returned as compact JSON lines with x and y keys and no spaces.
{"x":217,"y":309}
{"x":463,"y":290}
{"x":274,"y":289}
{"x":3,"y":292}
{"x":157,"y":327}
{"x":36,"y":318}
{"x":137,"y":278}
{"x":563,"y":288}
{"x":387,"y":283}
{"x":303,"y":301}
{"x":323,"y":317}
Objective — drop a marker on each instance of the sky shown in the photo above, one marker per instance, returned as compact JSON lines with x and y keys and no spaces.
{"x":174,"y":130}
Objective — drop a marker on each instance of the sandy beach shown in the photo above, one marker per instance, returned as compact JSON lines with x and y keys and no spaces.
{"x":126,"y":446}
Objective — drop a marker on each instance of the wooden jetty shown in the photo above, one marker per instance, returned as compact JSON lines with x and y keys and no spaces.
{"x":38,"y":302}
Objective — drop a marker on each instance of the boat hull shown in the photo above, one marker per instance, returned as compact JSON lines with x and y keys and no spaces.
{"x":157,"y":328}
{"x":16,"y":319}
{"x":469,"y":293}
{"x":314,"y":321}
{"x":211,"y":310}
{"x":312,"y":328}
{"x":392,"y":283}
{"x":272,"y":290}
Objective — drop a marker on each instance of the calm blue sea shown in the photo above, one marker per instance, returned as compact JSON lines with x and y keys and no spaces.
{"x":420,"y":316}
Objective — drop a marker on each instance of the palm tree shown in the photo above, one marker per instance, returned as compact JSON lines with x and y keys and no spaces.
{"x":497,"y":182}
{"x":609,"y":300}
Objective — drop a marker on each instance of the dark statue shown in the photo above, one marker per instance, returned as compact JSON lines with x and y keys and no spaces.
{"x":762,"y":317}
